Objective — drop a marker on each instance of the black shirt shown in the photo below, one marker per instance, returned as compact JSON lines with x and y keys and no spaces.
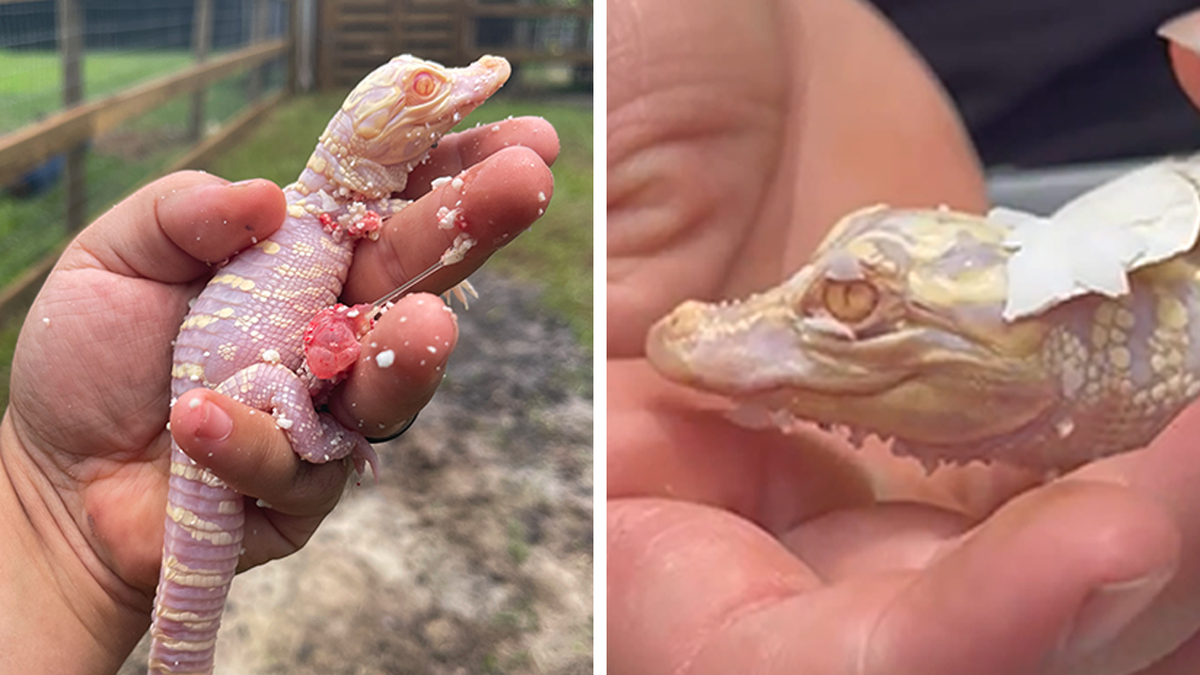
{"x":1043,"y":82}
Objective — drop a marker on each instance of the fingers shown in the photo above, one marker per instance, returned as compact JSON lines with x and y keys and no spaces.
{"x":401,"y":365}
{"x":665,"y":603}
{"x":467,"y":148}
{"x":246,"y":449}
{"x":1051,"y":579}
{"x":174,"y":228}
{"x":1167,"y":473}
{"x":666,"y":442}
{"x":1053,"y":575}
{"x":493,"y":203}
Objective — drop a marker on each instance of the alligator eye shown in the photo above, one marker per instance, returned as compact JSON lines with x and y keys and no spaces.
{"x":850,"y":301}
{"x":424,"y":85}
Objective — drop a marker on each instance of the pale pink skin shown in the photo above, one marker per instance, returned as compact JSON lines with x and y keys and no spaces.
{"x":243,"y":338}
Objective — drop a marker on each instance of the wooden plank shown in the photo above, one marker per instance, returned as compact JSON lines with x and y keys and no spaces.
{"x":202,"y":25}
{"x":32,"y":144}
{"x":358,"y":38}
{"x":527,"y":11}
{"x":327,"y":12}
{"x":425,"y":17}
{"x":374,"y":16}
{"x":203,"y":154}
{"x":428,"y":36}
{"x":70,"y":50}
{"x":294,"y":49}
{"x":260,"y":15}
{"x":532,"y":55}
{"x":352,"y":8}
{"x":19,"y":294}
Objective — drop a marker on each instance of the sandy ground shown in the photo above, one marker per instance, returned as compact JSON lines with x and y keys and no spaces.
{"x":473,"y":553}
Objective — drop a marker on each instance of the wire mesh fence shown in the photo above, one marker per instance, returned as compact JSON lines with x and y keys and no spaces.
{"x":61,"y":57}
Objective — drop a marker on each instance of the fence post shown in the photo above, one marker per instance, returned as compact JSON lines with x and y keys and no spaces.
{"x":258,"y":32}
{"x":202,"y":21}
{"x":464,"y":30}
{"x":294,"y":47}
{"x":70,"y":46}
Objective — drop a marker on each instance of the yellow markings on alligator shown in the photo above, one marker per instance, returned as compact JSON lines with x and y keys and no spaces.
{"x":278,"y":320}
{"x":1120,"y":357}
{"x":199,"y":528}
{"x":188,"y":371}
{"x":195,"y":580}
{"x":192,"y":522}
{"x":303,"y":249}
{"x":269,"y":247}
{"x":1123,"y":318}
{"x":188,"y":576}
{"x":197,"y":474}
{"x":246,"y":320}
{"x":185,"y":645}
{"x":227,"y":351}
{"x":295,"y":210}
{"x":308,"y":273}
{"x":191,"y":618}
{"x":233,"y":281}
{"x":1170,"y":312}
{"x":199,"y":320}
{"x":317,"y":163}
{"x":225,"y":312}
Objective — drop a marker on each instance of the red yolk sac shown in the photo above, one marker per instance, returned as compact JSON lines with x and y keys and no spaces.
{"x":331,"y":341}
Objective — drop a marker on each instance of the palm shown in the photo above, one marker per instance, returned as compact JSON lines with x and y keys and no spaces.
{"x":90,"y":390}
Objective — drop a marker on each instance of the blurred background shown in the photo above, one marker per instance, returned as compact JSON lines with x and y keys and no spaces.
{"x":1057,"y":94}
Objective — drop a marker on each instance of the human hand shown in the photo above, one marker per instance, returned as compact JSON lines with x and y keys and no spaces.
{"x":84,"y":446}
{"x":793,"y":554}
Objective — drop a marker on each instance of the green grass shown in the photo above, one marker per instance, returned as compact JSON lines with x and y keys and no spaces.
{"x":31,"y":227}
{"x":556,"y":253}
{"x":8,"y":343}
{"x":31,"y":86}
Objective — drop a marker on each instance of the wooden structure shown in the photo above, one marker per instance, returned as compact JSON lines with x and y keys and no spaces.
{"x":358,"y":35}
{"x":70,"y":130}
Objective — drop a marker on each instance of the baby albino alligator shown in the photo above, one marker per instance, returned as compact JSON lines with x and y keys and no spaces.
{"x":266,"y":330}
{"x":1042,"y":342}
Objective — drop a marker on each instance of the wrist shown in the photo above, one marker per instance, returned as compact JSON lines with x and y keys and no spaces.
{"x":56,"y":614}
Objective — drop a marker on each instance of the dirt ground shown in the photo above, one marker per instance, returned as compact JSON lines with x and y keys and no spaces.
{"x":473,"y":553}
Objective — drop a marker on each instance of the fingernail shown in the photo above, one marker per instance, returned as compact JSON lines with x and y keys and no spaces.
{"x":215,"y":424}
{"x":1109,"y":610}
{"x":1183,"y":30}
{"x":243,"y":183}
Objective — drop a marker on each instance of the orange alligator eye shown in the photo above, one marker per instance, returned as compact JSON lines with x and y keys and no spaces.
{"x":424,"y":85}
{"x":850,"y":301}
